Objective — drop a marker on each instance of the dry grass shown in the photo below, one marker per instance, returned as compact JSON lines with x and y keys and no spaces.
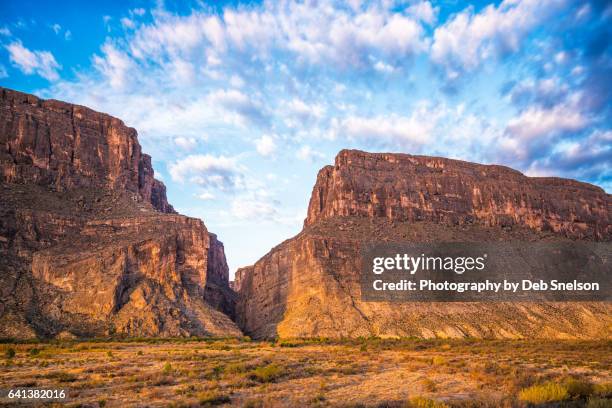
{"x":315,"y":372}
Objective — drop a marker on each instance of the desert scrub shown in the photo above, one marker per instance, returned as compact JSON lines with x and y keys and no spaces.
{"x":598,"y":403}
{"x":9,"y":353}
{"x":547,"y":392}
{"x":211,"y":398}
{"x":235,"y":368}
{"x":577,"y":388}
{"x":167,"y":368}
{"x":268,"y":373}
{"x":438,"y":361}
{"x":422,"y":402}
{"x":428,"y":385}
{"x":62,"y":376}
{"x":603,"y":389}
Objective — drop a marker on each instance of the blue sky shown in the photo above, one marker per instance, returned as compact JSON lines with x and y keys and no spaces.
{"x":240,"y":103}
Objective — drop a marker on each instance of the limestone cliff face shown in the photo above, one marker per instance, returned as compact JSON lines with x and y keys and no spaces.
{"x":89,"y":245}
{"x":403,"y":187}
{"x":309,"y":285}
{"x":58,"y":144}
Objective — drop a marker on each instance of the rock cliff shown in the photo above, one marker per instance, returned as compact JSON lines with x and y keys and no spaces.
{"x":63,"y":146}
{"x":309,"y":285}
{"x":89,"y":245}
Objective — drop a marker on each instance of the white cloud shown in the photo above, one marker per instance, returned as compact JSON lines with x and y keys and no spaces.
{"x":114,"y":65}
{"x":67,"y":35}
{"x":29,"y":62}
{"x":218,"y":172}
{"x":5,"y":31}
{"x":304,"y":111}
{"x":205,"y":196}
{"x":187,"y":143}
{"x":127,"y":23}
{"x":56,"y":28}
{"x":266,"y":146}
{"x":307,"y":153}
{"x":236,"y":81}
{"x":424,"y":11}
{"x":237,"y":102}
{"x":537,"y":122}
{"x":407,"y":131}
{"x":252,"y":209}
{"x":3,"y":72}
{"x":467,"y":39}
{"x":382,"y":67}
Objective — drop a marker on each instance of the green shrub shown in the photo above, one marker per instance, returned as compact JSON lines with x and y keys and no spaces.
{"x":422,"y":402}
{"x":265,"y":374}
{"x":10,"y":352}
{"x":539,"y":394}
{"x":34,"y":352}
{"x":167,"y":368}
{"x":210,"y":398}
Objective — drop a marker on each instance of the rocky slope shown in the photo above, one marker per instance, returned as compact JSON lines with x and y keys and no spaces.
{"x":309,"y":285}
{"x":89,"y":245}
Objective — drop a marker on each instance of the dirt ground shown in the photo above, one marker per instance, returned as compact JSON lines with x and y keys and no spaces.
{"x":356,"y":373}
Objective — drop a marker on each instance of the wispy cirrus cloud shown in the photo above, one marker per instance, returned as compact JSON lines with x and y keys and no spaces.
{"x":30,"y":62}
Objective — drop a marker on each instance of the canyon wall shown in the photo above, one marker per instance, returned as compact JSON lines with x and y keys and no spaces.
{"x":89,"y":244}
{"x":60,"y":145}
{"x":403,"y":187}
{"x":309,"y":285}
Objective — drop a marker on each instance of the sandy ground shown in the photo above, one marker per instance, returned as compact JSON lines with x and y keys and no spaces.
{"x":372,"y":372}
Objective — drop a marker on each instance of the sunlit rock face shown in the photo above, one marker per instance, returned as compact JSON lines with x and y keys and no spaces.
{"x":308,"y":286}
{"x":403,"y":187}
{"x":88,"y":242}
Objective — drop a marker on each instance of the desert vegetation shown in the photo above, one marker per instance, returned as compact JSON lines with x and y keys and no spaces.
{"x":314,"y":372}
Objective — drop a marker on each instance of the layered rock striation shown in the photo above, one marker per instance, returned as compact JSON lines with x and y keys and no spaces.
{"x":89,"y":245}
{"x":309,"y":285}
{"x":64,"y":146}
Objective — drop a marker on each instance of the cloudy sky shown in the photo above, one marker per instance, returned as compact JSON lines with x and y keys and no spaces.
{"x":240,"y":104}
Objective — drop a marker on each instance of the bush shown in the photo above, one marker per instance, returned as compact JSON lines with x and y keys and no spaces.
{"x":578,"y":388}
{"x":10,"y":352}
{"x":422,"y":402}
{"x":234,"y":368}
{"x":598,"y":403}
{"x":34,"y":352}
{"x":265,"y":374}
{"x":167,"y":368}
{"x":539,"y":394}
{"x":603,"y":389}
{"x":429,"y":385}
{"x":210,"y":398}
{"x":438,"y":360}
{"x":62,"y":376}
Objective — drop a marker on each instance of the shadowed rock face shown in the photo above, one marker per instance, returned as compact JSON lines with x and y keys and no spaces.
{"x":89,"y":245}
{"x":309,"y":285}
